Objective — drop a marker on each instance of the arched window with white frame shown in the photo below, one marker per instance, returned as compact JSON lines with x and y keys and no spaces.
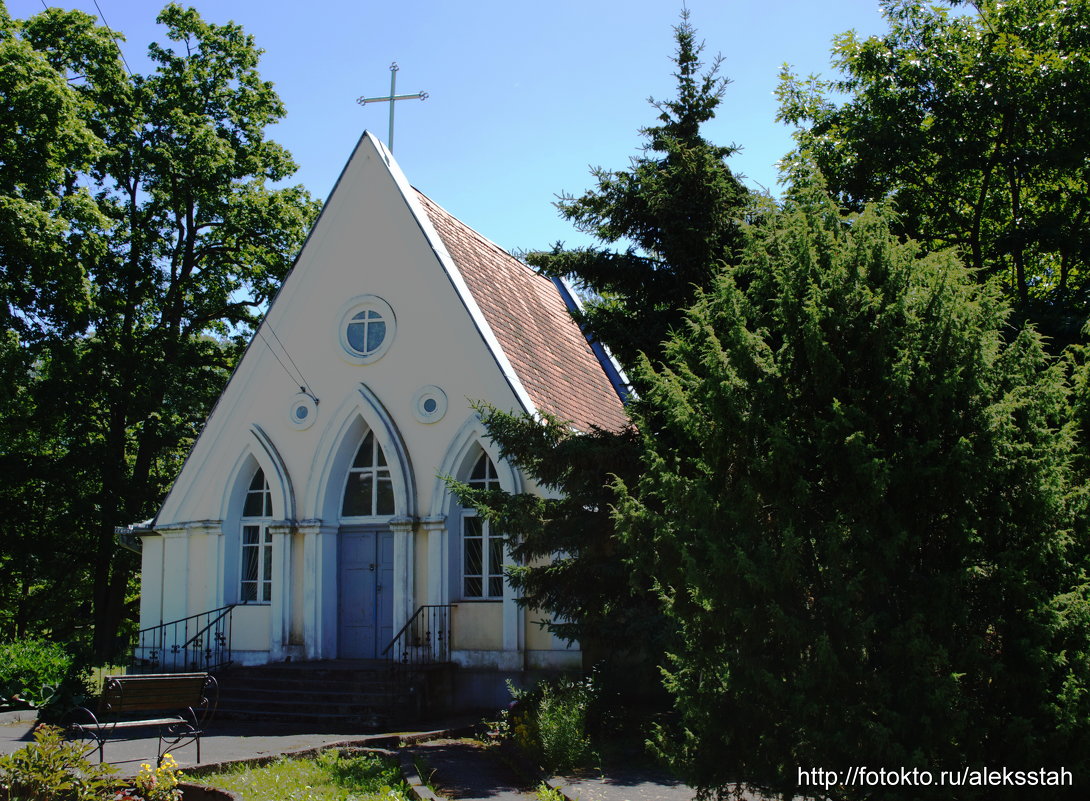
{"x":369,"y":488}
{"x":256,"y":558}
{"x":481,"y":546}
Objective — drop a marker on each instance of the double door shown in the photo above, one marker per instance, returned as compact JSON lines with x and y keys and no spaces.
{"x":365,"y":593}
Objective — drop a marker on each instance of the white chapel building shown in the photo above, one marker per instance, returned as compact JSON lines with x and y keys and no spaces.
{"x":321,"y":510}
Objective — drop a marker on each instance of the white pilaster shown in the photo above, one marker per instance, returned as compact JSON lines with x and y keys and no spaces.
{"x":280,"y":613}
{"x":151,"y":580}
{"x":402,"y":528}
{"x":175,"y":572}
{"x":211,"y":532}
{"x":438,"y":543}
{"x":514,"y":619}
{"x":319,"y":589}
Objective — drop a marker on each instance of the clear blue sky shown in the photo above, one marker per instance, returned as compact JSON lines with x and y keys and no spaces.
{"x":525,"y":95}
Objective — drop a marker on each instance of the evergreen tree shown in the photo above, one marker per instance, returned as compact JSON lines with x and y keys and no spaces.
{"x":678,"y":212}
{"x":859,"y":508}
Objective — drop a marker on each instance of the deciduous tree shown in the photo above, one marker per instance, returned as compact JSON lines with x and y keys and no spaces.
{"x":975,"y":123}
{"x":167,"y":230}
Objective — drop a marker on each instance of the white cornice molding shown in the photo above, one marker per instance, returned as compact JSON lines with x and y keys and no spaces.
{"x":190,"y":527}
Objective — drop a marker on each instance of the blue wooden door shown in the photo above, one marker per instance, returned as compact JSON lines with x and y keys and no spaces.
{"x":365,"y":593}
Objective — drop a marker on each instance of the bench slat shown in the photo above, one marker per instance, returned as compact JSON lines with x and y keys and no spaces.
{"x":123,"y":694}
{"x":132,"y":724}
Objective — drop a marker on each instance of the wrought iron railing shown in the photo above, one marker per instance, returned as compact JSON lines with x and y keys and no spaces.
{"x":423,"y":640}
{"x":196,"y":643}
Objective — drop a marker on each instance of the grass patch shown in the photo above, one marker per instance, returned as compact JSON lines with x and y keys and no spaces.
{"x":333,"y":775}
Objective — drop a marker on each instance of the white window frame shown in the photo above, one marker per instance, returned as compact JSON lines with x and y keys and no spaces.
{"x":261,"y":547}
{"x":378,"y":471}
{"x":366,"y":305}
{"x":492,"y":557}
{"x":491,"y":563}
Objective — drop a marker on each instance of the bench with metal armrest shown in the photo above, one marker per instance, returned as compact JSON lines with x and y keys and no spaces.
{"x":178,"y":704}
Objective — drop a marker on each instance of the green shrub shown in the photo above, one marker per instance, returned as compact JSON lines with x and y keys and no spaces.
{"x":50,"y":769}
{"x":549,"y":722}
{"x":38,"y":674}
{"x":546,"y":793}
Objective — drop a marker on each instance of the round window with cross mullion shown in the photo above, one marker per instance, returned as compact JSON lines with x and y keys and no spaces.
{"x":366,"y":328}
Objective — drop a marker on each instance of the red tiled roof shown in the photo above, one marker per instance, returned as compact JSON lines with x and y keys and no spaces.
{"x":549,"y":353}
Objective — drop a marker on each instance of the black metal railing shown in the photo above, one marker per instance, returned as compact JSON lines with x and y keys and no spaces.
{"x":199,"y":642}
{"x":424,"y":640}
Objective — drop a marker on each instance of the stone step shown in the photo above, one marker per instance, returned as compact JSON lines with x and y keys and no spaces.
{"x":245,"y":683}
{"x":347,"y":706}
{"x":370,"y":721}
{"x":352,"y":695}
{"x":246,"y":695}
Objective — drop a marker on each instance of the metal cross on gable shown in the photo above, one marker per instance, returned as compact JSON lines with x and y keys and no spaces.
{"x":393,"y":97}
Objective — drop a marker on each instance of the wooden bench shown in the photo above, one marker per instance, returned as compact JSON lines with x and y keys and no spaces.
{"x":181,"y":702}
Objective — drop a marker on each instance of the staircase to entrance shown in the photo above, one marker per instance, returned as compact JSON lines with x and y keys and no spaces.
{"x":413,"y":679}
{"x":337,"y":694}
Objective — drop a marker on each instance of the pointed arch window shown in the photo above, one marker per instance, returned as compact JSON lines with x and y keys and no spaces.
{"x":256,"y":584}
{"x":482,"y":548}
{"x":369,"y":489}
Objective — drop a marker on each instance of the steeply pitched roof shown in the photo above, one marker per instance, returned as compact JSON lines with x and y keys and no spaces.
{"x":553,"y":360}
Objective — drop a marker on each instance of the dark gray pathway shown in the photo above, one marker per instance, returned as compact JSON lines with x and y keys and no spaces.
{"x":464,"y":769}
{"x":226,"y":741}
{"x":630,"y":784}
{"x":624,"y":784}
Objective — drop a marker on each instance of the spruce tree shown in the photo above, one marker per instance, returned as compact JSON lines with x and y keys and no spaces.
{"x":677,"y":211}
{"x":666,"y":224}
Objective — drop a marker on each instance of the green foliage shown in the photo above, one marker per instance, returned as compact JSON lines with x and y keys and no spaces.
{"x":334,"y":775}
{"x":665,"y":223}
{"x":35,"y":673}
{"x":549,"y":722}
{"x":564,"y":562}
{"x":974,"y":124}
{"x":677,"y":211}
{"x":50,"y":769}
{"x":140,"y":237}
{"x":546,"y":793}
{"x":861,"y":510}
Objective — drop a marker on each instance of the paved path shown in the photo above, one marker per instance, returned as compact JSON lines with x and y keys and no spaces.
{"x":627,"y":784}
{"x":463,"y":769}
{"x":631,"y":784}
{"x":227,"y":741}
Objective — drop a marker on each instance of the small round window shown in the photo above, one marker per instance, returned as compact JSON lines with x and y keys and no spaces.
{"x":429,"y":404}
{"x":366,"y":328}
{"x":302,"y":411}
